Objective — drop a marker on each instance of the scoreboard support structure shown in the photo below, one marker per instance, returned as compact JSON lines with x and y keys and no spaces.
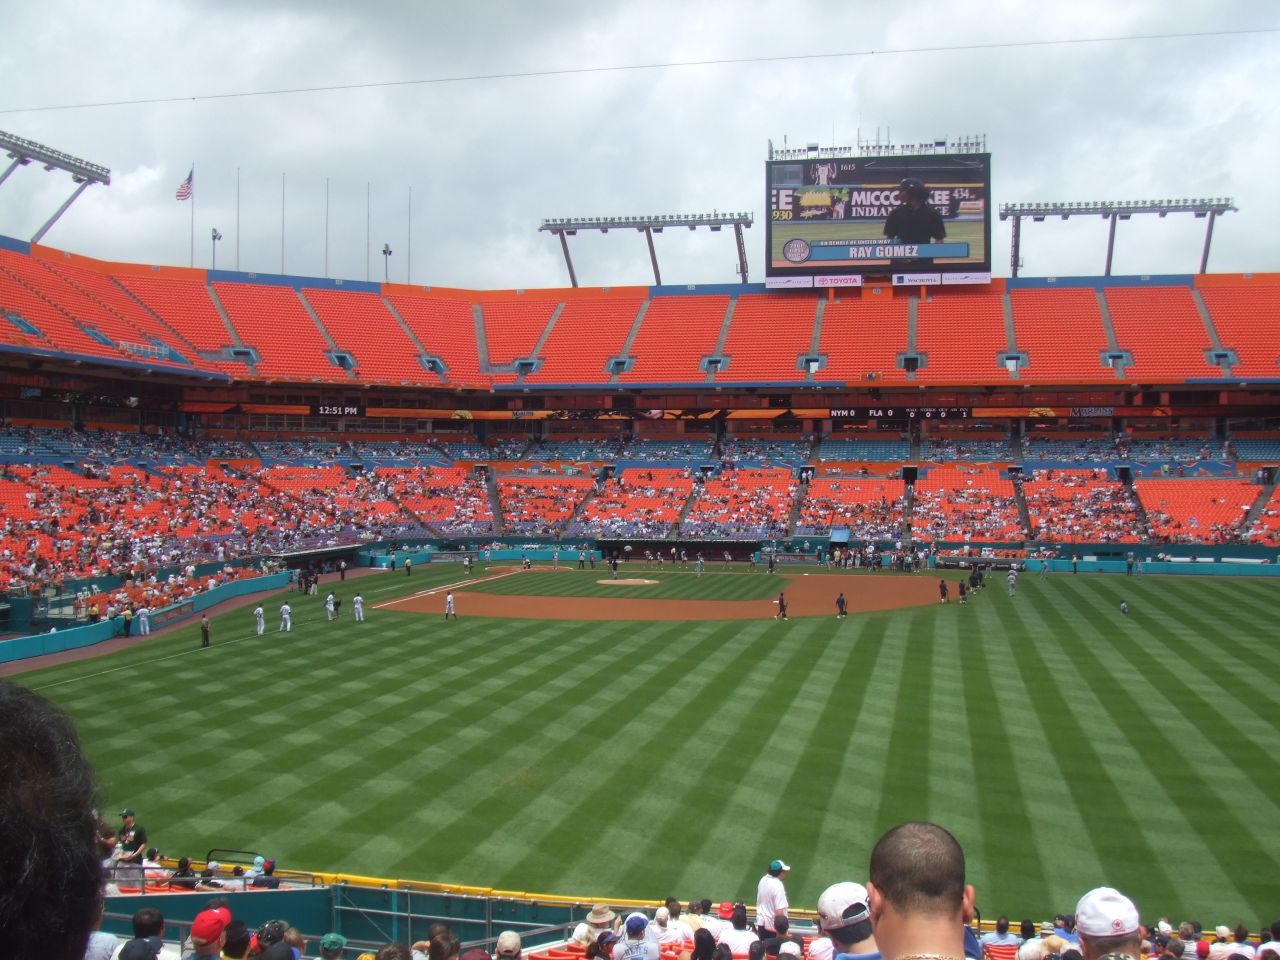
{"x":1114,"y":211}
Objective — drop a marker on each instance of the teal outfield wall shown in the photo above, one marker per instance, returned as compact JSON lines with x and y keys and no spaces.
{"x":39,"y":644}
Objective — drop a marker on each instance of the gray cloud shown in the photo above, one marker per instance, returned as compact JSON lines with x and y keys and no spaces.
{"x":488,"y":159}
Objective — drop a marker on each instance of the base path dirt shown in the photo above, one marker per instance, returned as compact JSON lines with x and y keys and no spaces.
{"x":812,"y":595}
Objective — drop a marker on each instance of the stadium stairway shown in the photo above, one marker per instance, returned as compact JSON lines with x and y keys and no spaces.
{"x":1021,"y":497}
{"x":1113,"y":345}
{"x":625,"y":352}
{"x":793,"y":516}
{"x":324,"y":331}
{"x":1229,"y":357}
{"x":1264,"y":497}
{"x":577,"y":511}
{"x":674,"y":533}
{"x":908,"y":508}
{"x":195,"y":351}
{"x":1139,"y":511}
{"x":413,"y":337}
{"x":231,"y":327}
{"x":719,"y":348}
{"x":819,"y":316}
{"x":495,"y":504}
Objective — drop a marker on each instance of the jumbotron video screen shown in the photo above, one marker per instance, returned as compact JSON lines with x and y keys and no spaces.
{"x":920,"y":219}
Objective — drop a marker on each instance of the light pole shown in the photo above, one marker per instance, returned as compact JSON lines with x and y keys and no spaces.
{"x":386,"y":262}
{"x":214,"y":237}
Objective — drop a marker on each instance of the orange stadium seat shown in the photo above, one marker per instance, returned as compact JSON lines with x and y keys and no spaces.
{"x":184,"y":305}
{"x":446,"y":329}
{"x":1162,"y":329}
{"x":767,"y":335}
{"x":1195,"y":510}
{"x":961,"y":334}
{"x":362,"y":326}
{"x":587,"y":335}
{"x":512,"y":328}
{"x":862,"y":336}
{"x":1062,"y":335}
{"x":273,"y":321}
{"x":1244,"y":314}
{"x":676,"y":334}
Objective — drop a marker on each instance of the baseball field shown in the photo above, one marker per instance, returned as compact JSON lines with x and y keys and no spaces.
{"x":1066,"y":744}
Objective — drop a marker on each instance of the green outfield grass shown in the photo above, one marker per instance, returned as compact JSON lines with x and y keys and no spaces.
{"x":714,"y":584}
{"x":1066,"y":745}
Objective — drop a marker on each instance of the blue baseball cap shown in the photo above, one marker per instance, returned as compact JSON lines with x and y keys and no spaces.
{"x":636,"y":923}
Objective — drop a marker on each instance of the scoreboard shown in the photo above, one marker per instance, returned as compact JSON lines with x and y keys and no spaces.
{"x":902,"y":414}
{"x":919,"y":219}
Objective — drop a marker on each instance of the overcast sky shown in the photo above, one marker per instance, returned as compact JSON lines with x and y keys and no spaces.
{"x":488,"y":159}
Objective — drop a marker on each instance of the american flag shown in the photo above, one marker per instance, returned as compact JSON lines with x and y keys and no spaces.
{"x":187,"y":187}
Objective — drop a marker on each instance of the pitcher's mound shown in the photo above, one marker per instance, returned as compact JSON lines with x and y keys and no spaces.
{"x":633,"y":582}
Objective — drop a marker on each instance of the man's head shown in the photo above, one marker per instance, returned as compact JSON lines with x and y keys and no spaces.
{"x":673,"y":908}
{"x":844,"y":914}
{"x":508,"y":945}
{"x":636,"y":925}
{"x":917,"y":883}
{"x":127,"y":818}
{"x":662,"y":917}
{"x":236,"y":939}
{"x":1002,"y":926}
{"x":1107,"y":922}
{"x":913,"y":192}
{"x":148,"y":922}
{"x":600,"y":917}
{"x":48,"y":831}
{"x":208,"y":931}
{"x":332,"y":945}
{"x":776,"y":867}
{"x":781,"y":925}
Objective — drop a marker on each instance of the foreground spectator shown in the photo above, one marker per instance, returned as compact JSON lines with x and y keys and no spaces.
{"x":508,"y":945}
{"x":1108,"y":923}
{"x":209,"y":932}
{"x":1000,"y":937}
{"x":844,"y":915}
{"x":919,"y":901}
{"x":332,"y":946}
{"x":48,"y":831}
{"x":635,"y":945}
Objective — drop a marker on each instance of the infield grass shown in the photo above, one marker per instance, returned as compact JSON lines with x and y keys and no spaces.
{"x":1066,"y":745}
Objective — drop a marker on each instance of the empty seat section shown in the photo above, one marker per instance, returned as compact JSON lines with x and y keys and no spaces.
{"x":446,"y":329}
{"x":864,"y":449}
{"x":23,"y":293}
{"x":862,"y":336}
{"x":361,"y":325}
{"x":274,"y":322}
{"x":1080,"y":506}
{"x":587,"y":334}
{"x":1244,"y":315}
{"x":676,"y":334}
{"x":185,"y":305}
{"x":512,"y":329}
{"x":767,"y":334}
{"x":961,"y":335}
{"x":1062,"y":335}
{"x":102,"y":291}
{"x":871,"y":507}
{"x":1201,"y":511}
{"x":1162,"y":330}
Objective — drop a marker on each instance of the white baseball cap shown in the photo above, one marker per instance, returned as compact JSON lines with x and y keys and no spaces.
{"x":842,"y":905}
{"x":789,"y":949}
{"x":1106,"y":912}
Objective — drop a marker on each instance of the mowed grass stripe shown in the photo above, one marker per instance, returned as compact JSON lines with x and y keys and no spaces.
{"x":601,"y":808}
{"x":906,"y":787}
{"x":1102,"y":795}
{"x":1097,"y":657}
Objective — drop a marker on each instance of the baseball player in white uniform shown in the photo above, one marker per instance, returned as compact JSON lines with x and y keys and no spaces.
{"x":144,"y":621}
{"x":328,"y":606}
{"x":260,"y":619}
{"x":448,"y":606}
{"x":286,"y":617}
{"x":357,"y":605}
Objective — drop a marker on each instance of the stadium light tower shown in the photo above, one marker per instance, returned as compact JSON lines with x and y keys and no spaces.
{"x":716,"y":221}
{"x":83,"y":173}
{"x":1209,"y":208}
{"x":386,"y":262}
{"x":214,"y":237}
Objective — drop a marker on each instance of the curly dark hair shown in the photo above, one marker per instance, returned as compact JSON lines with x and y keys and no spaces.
{"x":49,"y":855}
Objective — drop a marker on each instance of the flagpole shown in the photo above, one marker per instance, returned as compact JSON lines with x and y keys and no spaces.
{"x":282,"y":224}
{"x":193,"y":213}
{"x":237,"y":219}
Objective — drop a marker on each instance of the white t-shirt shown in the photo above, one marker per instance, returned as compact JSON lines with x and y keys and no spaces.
{"x":739,"y":941}
{"x":771,"y":899}
{"x":714,"y":924}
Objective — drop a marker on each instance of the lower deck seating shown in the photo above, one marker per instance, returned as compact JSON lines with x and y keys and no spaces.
{"x":742,"y":504}
{"x":1196,"y":510}
{"x":1080,"y":506}
{"x":972,"y":504}
{"x":540,"y":505}
{"x":871,"y":507}
{"x":642,"y":502}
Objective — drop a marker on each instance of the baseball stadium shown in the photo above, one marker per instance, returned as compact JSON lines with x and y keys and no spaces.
{"x":508,"y":608}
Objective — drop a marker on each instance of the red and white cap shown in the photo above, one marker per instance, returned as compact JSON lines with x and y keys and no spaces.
{"x":1106,"y":912}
